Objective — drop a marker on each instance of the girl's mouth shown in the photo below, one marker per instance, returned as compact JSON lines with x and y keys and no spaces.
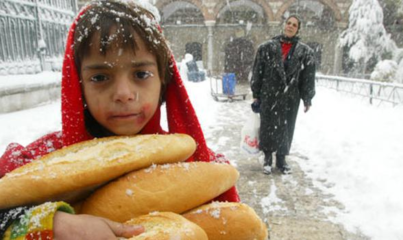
{"x":124,"y":116}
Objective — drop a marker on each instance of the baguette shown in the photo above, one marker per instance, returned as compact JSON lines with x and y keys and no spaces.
{"x":69,"y":174}
{"x":167,"y":226}
{"x":171,"y":187}
{"x":228,"y":221}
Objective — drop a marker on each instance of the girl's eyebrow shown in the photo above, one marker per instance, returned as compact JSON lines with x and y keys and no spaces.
{"x":98,"y":66}
{"x":143,"y":64}
{"x":102,"y":66}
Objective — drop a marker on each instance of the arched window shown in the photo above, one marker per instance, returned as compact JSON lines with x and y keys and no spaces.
{"x":181,"y":12}
{"x":313,"y":13}
{"x":239,"y":12}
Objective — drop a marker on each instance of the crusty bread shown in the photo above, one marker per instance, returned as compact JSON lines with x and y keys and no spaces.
{"x":167,"y":226}
{"x":228,"y":221}
{"x":67,"y":174}
{"x":170,"y":187}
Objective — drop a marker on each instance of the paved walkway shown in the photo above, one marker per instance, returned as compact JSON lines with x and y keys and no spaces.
{"x":290,"y":204}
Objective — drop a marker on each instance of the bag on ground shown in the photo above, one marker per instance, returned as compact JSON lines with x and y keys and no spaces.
{"x":250,"y":135}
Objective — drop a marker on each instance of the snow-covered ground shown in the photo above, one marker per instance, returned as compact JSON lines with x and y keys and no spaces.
{"x":355,"y":147}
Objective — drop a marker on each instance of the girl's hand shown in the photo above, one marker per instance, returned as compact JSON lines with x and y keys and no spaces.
{"x":73,"y":227}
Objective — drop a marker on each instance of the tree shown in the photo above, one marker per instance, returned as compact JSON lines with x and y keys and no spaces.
{"x":400,"y":10}
{"x":391,"y":10}
{"x":366,"y":36}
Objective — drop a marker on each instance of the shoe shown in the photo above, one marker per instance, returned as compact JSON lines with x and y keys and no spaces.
{"x":267,"y":170}
{"x":268,"y":160}
{"x":285,"y":169}
{"x":282,"y":165}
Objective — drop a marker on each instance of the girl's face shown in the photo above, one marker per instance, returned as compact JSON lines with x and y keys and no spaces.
{"x":291,"y":27}
{"x":121,"y":89}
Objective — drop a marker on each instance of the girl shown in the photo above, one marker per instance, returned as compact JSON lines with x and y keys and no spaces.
{"x":117,"y":72}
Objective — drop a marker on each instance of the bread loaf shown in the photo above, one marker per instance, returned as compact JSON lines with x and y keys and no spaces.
{"x":170,"y":187}
{"x":228,"y":221}
{"x":69,"y":173}
{"x":167,"y":226}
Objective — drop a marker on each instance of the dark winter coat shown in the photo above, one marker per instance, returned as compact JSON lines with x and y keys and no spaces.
{"x":280,"y":89}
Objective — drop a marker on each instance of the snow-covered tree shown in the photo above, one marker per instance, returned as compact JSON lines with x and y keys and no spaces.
{"x":366,"y":35}
{"x":385,"y":71}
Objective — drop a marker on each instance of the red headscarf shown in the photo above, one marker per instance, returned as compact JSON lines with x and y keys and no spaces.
{"x":181,"y":115}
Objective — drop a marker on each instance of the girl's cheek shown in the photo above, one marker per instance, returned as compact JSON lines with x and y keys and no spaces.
{"x":147,"y":108}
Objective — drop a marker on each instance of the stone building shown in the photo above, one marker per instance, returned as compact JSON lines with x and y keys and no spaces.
{"x":224,"y":35}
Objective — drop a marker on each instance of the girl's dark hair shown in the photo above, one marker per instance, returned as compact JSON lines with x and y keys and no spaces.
{"x":111,"y":23}
{"x":129,"y":20}
{"x":298,"y":20}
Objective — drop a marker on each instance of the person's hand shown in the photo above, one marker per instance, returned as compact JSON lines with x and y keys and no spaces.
{"x":76,"y":227}
{"x":306,"y":108}
{"x":256,"y":105}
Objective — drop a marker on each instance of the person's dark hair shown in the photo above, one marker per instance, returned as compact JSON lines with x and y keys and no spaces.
{"x":115,"y":24}
{"x":298,"y":20}
{"x":102,"y":17}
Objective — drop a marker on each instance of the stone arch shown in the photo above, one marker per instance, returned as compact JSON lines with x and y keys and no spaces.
{"x":329,"y":3}
{"x":162,"y":5}
{"x":268,"y":12}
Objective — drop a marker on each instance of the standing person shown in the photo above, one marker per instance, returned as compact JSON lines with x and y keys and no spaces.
{"x":117,"y":72}
{"x":283,"y":73}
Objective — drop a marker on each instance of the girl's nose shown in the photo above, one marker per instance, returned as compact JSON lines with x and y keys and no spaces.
{"x":125,"y":91}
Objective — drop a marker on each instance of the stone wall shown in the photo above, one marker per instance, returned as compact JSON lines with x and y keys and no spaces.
{"x":15,"y":98}
{"x":179,"y":36}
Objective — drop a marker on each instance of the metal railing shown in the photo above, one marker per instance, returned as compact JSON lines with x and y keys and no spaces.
{"x":376,"y":92}
{"x":32,"y":32}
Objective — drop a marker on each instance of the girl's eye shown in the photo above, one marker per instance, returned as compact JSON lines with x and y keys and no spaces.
{"x":99,"y":78}
{"x":143,"y":75}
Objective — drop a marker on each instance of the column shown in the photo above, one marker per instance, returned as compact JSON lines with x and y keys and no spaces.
{"x":210,"y":47}
{"x":338,"y":55}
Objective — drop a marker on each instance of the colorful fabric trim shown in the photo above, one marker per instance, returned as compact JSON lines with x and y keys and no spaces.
{"x":8,"y":216}
{"x":37,"y":222}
